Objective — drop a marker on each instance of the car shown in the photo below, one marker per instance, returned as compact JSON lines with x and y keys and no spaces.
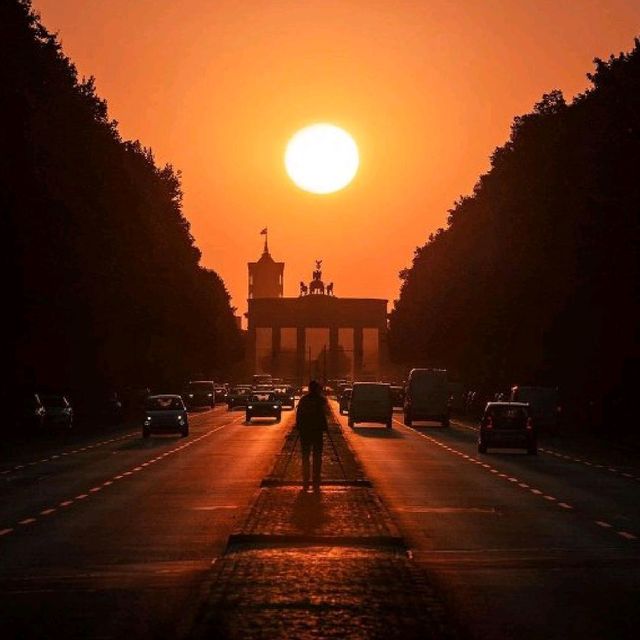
{"x":220,"y":393}
{"x":427,"y":397}
{"x":200,"y":393}
{"x":165,"y":414}
{"x":238,"y":397}
{"x":397,"y":396}
{"x":264,"y":405}
{"x":371,"y":402}
{"x":507,"y":424}
{"x":57,"y":411}
{"x":286,"y":396}
{"x":343,"y":402}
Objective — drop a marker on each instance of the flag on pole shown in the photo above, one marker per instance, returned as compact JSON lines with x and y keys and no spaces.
{"x":264,"y":232}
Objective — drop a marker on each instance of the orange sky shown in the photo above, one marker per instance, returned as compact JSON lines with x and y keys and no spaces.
{"x":427,"y":88}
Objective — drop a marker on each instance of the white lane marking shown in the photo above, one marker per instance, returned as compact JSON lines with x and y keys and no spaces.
{"x":604,"y":525}
{"x":551,"y":498}
{"x":536,"y":491}
{"x":564,"y":505}
{"x":523,"y":485}
{"x":94,"y":490}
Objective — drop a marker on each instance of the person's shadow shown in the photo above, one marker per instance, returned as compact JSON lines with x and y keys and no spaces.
{"x":308,"y":514}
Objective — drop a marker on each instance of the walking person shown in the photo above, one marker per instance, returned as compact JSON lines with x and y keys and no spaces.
{"x":311,"y":422}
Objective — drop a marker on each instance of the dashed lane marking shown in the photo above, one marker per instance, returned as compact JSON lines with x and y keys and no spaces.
{"x":563,"y":505}
{"x":94,"y":490}
{"x":564,"y":456}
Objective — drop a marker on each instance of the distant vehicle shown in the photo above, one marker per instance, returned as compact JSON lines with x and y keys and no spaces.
{"x":397,"y":396}
{"x":544,"y":403}
{"x":262,"y":378}
{"x":264,"y":405}
{"x":28,"y":412}
{"x":286,"y":396}
{"x":200,"y":393}
{"x":427,"y":397}
{"x":220,"y":393}
{"x":371,"y":402}
{"x":344,"y":400}
{"x":58,"y":411}
{"x":457,"y":396}
{"x":238,"y":397}
{"x":165,"y":414}
{"x":507,"y":424}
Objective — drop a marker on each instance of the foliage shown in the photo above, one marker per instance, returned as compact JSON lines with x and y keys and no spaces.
{"x":535,"y":279}
{"x":102,"y":276}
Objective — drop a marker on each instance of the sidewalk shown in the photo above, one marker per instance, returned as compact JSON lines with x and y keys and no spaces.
{"x":327,"y":565}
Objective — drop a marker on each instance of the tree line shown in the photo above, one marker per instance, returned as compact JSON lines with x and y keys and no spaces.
{"x":102,"y":282}
{"x":534,"y":280}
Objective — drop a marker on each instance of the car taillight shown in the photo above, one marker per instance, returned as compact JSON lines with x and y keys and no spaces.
{"x":529,"y":424}
{"x":488,"y":423}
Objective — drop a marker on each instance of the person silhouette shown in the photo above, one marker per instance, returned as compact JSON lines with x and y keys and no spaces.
{"x":311,"y":422}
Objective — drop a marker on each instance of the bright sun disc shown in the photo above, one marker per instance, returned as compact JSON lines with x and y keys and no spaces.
{"x":322,"y":158}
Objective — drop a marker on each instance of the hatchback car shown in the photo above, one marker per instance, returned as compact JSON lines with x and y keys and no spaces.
{"x":507,"y":424}
{"x":165,"y":414}
{"x":264,"y":405}
{"x":238,"y":397}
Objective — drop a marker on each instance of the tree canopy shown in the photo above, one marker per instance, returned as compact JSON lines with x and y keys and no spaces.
{"x":102,"y":277}
{"x":535,"y":278}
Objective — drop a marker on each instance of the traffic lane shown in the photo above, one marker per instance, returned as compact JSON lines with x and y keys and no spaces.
{"x":606,"y":500}
{"x":135,"y":558}
{"x":35,"y":492}
{"x":21,"y":457}
{"x":508,"y":566}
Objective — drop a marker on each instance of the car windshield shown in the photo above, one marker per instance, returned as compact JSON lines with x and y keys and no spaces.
{"x":263,"y":397}
{"x":164,"y":403}
{"x":506,"y":414}
{"x":54,"y":401}
{"x":200,"y":387}
{"x":240,"y":391}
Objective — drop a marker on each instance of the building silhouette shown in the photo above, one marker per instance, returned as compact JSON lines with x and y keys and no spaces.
{"x":266,"y":276}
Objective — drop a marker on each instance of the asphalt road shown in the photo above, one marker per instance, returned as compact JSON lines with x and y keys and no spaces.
{"x":113,"y":536}
{"x":520,"y":546}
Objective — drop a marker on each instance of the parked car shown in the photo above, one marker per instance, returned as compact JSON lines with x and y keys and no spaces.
{"x":238,"y":397}
{"x":371,"y":402}
{"x":286,"y":396}
{"x":345,"y":399}
{"x":427,"y":397}
{"x":200,"y":393}
{"x":544,"y":404}
{"x":165,"y":414}
{"x":57,"y":411}
{"x":264,"y":405}
{"x":397,"y":396}
{"x":507,"y":424}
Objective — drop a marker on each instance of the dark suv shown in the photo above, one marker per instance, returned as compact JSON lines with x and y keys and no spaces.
{"x":507,"y":424}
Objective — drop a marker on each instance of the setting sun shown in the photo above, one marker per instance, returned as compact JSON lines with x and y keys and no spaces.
{"x":321,"y":158}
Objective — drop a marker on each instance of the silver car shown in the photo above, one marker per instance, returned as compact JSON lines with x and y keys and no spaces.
{"x":165,"y":414}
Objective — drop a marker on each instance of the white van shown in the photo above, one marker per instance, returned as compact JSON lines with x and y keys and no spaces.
{"x":427,"y":396}
{"x":371,"y":402}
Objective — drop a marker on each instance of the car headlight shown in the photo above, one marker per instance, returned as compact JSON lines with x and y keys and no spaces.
{"x":147,"y":420}
{"x":250,"y":406}
{"x":180,"y":419}
{"x":209,"y":394}
{"x":275,"y":406}
{"x":191,"y":395}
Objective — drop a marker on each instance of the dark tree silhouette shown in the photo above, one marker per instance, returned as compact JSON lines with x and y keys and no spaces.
{"x":102,"y":282}
{"x":535,"y":279}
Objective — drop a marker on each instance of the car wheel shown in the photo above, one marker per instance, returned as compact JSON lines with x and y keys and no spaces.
{"x":278,"y":418}
{"x":445,"y":423}
{"x":389,"y":424}
{"x":482,"y":448}
{"x":146,"y":433}
{"x":407,"y":420}
{"x":532,"y":451}
{"x":351,"y":423}
{"x":248,"y":418}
